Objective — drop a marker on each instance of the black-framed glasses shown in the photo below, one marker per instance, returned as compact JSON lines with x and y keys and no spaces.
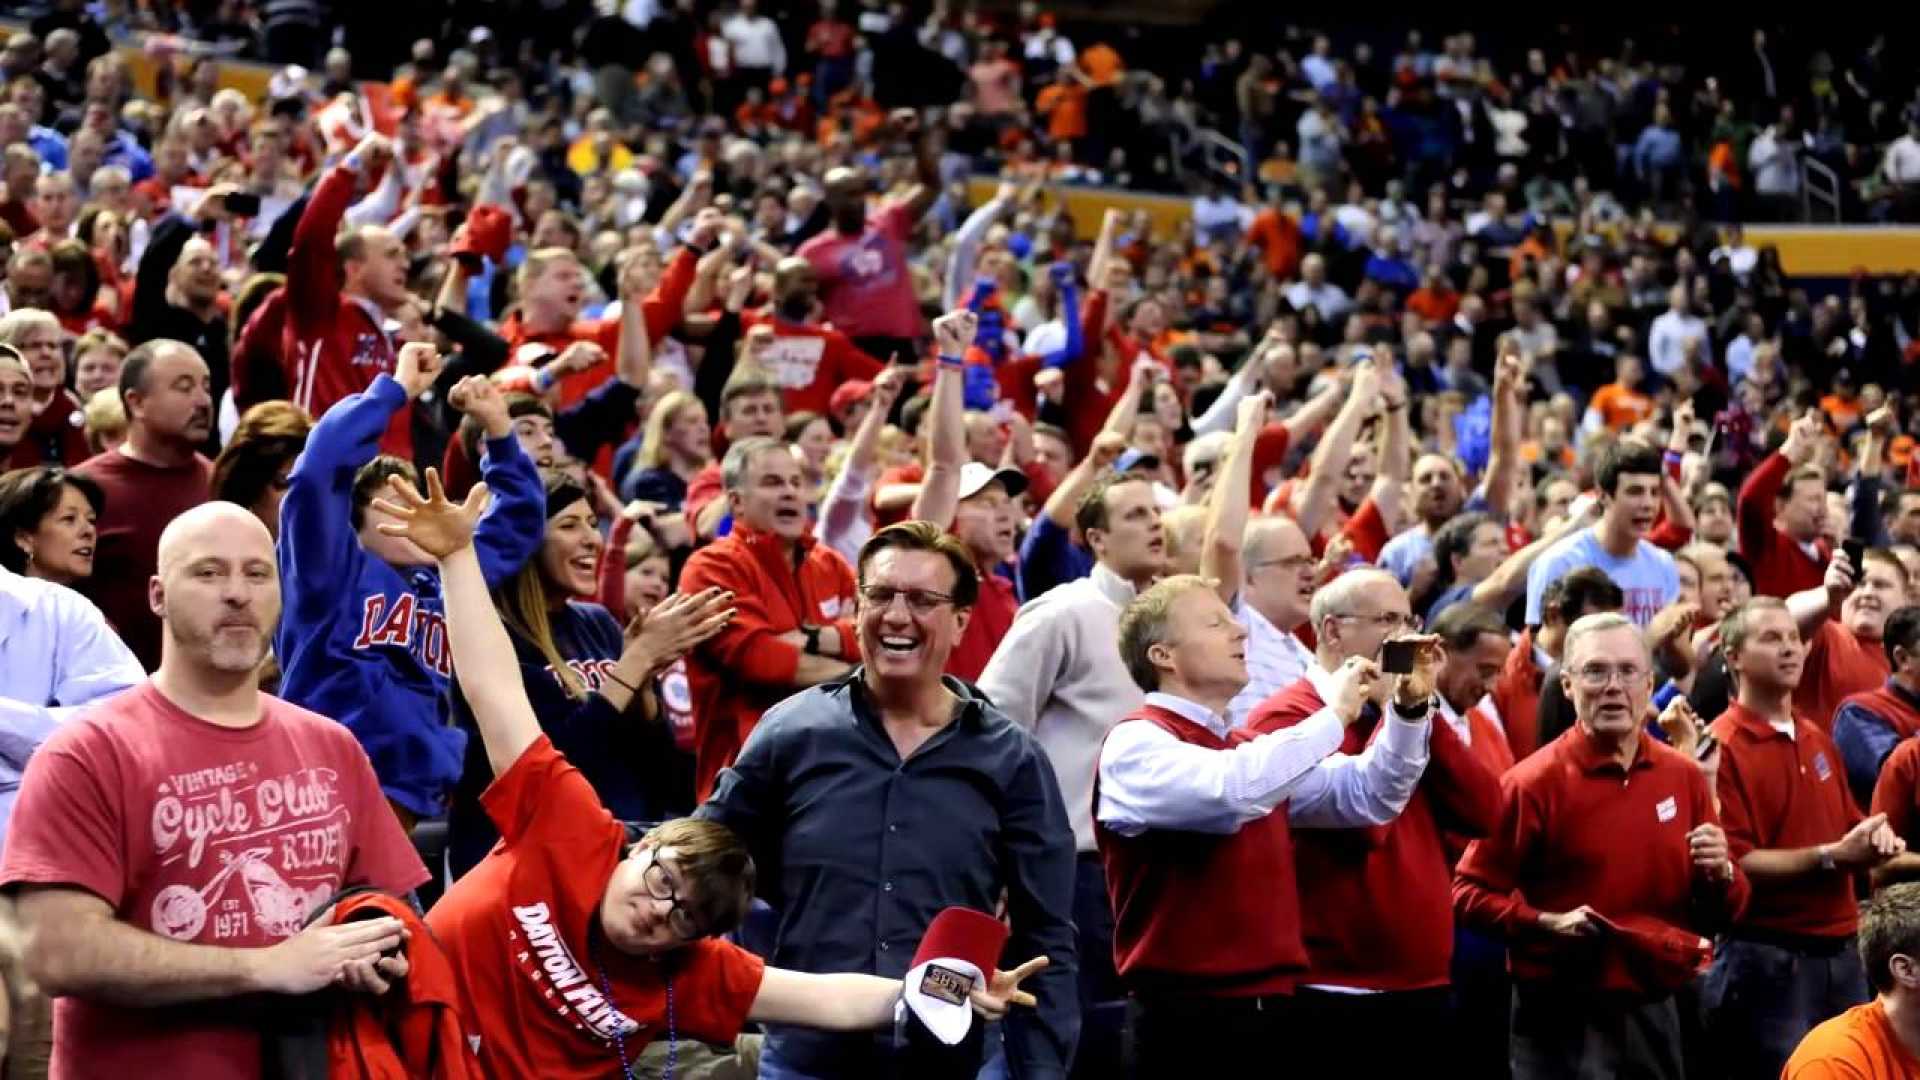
{"x":659,"y":885}
{"x":919,"y":601}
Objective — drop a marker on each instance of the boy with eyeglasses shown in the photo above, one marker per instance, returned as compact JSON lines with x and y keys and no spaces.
{"x":575,"y":947}
{"x":1605,"y":867}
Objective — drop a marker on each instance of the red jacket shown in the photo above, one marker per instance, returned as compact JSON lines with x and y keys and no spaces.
{"x":1376,"y":903}
{"x":413,"y":1032}
{"x":746,"y":669}
{"x":334,"y":344}
{"x":662,"y":309}
{"x":1780,"y":566}
{"x":1516,"y":696}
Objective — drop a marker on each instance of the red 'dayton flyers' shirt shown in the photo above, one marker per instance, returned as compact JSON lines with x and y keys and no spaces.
{"x":810,"y":362}
{"x":864,"y":281}
{"x":518,"y":929}
{"x":203,"y":834}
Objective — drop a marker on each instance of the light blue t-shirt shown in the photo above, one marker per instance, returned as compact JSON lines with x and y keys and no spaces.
{"x":1403,"y":553}
{"x":1647,"y":577}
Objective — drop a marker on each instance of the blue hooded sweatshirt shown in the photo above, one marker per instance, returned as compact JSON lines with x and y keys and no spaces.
{"x":363,"y":642}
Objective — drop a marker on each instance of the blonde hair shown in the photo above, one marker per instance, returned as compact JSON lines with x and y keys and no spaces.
{"x":536,"y":264}
{"x":106,"y":417}
{"x":1144,"y":624}
{"x":653,"y":444}
{"x":100,"y":338}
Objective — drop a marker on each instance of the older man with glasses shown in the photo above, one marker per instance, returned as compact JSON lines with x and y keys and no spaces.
{"x":1375,"y":905}
{"x":1604,"y":870}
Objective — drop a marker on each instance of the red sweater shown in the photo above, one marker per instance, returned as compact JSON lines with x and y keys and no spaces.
{"x":141,"y":500}
{"x":334,"y":344}
{"x":1780,"y":566}
{"x":1516,"y":694}
{"x":1375,"y":903}
{"x":1778,"y":792}
{"x":1839,"y":665}
{"x":1569,"y":819}
{"x":746,"y":669}
{"x":1195,"y":913}
{"x":57,"y":435}
{"x":1897,"y":795}
{"x":992,"y":617}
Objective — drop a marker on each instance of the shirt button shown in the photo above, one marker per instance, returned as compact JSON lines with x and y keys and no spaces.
{"x":895,"y":827}
{"x":888,"y":887}
{"x":883,"y":946}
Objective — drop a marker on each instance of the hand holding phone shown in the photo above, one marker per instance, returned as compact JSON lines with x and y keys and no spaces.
{"x":1856,"y":556}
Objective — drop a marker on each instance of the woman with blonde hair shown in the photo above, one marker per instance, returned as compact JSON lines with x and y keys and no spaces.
{"x":97,"y":358}
{"x":54,"y":436}
{"x":677,"y":444}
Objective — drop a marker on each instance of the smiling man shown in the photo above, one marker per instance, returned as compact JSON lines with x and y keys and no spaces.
{"x":883,"y":796}
{"x":794,"y":624}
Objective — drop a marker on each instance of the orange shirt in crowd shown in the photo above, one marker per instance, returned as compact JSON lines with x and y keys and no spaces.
{"x":1859,"y":1044}
{"x":1619,"y":407}
{"x":1102,"y":64}
{"x":1065,"y":107}
{"x":1434,"y":305}
{"x":1277,"y":236}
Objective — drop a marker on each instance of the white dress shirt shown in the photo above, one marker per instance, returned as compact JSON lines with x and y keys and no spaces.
{"x":1275,"y":661}
{"x":1151,"y":780}
{"x":756,"y":42}
{"x":1667,"y":340}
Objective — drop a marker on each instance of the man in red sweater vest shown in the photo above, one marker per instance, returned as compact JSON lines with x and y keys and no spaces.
{"x":1841,"y":623}
{"x":1788,"y":962}
{"x":1782,"y":542}
{"x":1607,"y":863}
{"x":1870,"y":724}
{"x":1375,"y":904}
{"x":1192,"y":818}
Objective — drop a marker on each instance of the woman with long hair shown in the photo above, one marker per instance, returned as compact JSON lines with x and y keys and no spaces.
{"x":588,"y":678}
{"x":47,"y":523}
{"x":253,"y":468}
{"x":677,"y":444}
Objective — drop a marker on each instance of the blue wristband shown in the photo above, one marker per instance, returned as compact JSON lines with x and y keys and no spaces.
{"x":954,"y":362}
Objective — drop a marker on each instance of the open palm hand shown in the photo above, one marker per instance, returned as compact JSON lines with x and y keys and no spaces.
{"x":436,"y":525}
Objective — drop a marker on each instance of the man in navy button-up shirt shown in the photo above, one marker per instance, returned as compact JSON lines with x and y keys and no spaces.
{"x":873,"y":802}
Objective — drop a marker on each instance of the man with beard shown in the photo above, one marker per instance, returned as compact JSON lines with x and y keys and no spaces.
{"x":1439,"y":489}
{"x":177,"y":291}
{"x":154,"y":476}
{"x":150,"y":930}
{"x":1788,"y":962}
{"x":807,"y":359}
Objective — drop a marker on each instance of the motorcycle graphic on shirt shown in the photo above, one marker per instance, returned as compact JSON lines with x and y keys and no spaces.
{"x":180,"y":911}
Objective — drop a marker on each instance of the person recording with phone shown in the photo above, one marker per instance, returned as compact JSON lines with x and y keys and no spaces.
{"x":1376,"y":908}
{"x":1194,"y":821}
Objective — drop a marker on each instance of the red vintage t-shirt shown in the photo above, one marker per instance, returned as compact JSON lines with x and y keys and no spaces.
{"x":865,"y":283}
{"x":810,"y":362}
{"x":518,"y":929}
{"x":202,"y":834}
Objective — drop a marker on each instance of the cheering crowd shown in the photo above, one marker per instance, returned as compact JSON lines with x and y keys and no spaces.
{"x":607,"y":557}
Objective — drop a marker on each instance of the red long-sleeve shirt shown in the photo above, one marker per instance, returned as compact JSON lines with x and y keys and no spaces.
{"x":1376,"y":910}
{"x":1516,"y":695}
{"x":1575,"y":828}
{"x":1839,"y":665}
{"x":810,"y":362}
{"x":746,"y":669}
{"x":1784,"y":792}
{"x":334,"y":344}
{"x":1781,"y":567}
{"x":662,"y":309}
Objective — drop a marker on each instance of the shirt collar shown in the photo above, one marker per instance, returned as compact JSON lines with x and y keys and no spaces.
{"x":1191,"y":711}
{"x":1590,"y":758}
{"x":1111,"y":585}
{"x":1755,"y":726}
{"x":1901,"y":692}
{"x":18,"y":595}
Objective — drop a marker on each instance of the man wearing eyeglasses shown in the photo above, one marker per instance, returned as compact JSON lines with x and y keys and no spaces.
{"x":1606,"y":866}
{"x":793,"y":627}
{"x":1375,"y":905}
{"x":880,"y":798}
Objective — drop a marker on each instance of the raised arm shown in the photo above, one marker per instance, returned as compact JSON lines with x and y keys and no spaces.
{"x":1509,"y":579}
{"x":1503,"y":457}
{"x":946,"y":421}
{"x":1811,"y":607}
{"x":843,"y":510}
{"x":966,"y":244}
{"x":1065,"y":500}
{"x":1396,"y":451}
{"x":1305,"y":419}
{"x":1227,"y":505}
{"x":1126,"y":407}
{"x":1314,"y":502}
{"x":926,"y":161}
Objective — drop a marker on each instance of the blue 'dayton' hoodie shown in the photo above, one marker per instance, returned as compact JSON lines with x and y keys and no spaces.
{"x":363,"y":642}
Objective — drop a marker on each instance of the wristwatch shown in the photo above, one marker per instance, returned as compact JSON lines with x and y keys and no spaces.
{"x":813,"y":639}
{"x":1826,"y":857}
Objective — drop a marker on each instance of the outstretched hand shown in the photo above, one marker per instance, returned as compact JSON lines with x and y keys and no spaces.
{"x":436,"y":525}
{"x":678,"y":623}
{"x":1003,"y":990}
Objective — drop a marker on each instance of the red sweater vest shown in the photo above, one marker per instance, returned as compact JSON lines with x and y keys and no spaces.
{"x":1376,"y":904}
{"x":1196,"y":913}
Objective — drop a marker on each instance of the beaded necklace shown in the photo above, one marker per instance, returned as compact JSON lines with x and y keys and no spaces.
{"x":620,"y":1037}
